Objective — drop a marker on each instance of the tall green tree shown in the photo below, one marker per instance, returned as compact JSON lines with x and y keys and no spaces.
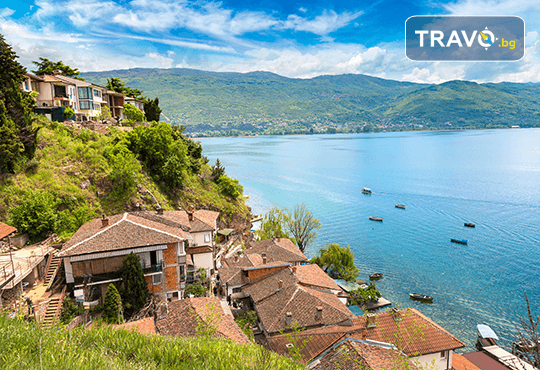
{"x":151,"y":109}
{"x":217,"y":170}
{"x":272,"y":224}
{"x":337,"y":261}
{"x":47,"y":67}
{"x":17,"y":119}
{"x":301,"y":225}
{"x":116,"y":84}
{"x":112,"y":306}
{"x":134,"y":289}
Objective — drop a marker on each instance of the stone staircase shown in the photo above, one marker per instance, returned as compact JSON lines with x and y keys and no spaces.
{"x":50,"y":314}
{"x":52,"y":269}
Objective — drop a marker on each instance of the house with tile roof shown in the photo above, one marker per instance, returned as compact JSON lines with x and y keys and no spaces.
{"x":419,"y":338}
{"x":6,"y":230}
{"x":162,"y":240}
{"x":277,"y":249}
{"x":290,"y":296}
{"x":187,"y":317}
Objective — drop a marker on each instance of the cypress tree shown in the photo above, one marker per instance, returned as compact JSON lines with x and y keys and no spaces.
{"x":152,"y":110}
{"x":112,"y":308}
{"x":16,"y":111}
{"x":134,"y":287}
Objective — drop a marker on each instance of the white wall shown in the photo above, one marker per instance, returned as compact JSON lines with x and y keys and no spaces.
{"x":434,"y":361}
{"x":198,"y":238}
{"x":204,"y":260}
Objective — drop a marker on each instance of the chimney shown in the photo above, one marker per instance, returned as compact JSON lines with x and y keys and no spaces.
{"x":293,"y":268}
{"x":57,"y":72}
{"x":288,"y":319}
{"x":371,"y":320}
{"x":263,"y":255}
{"x":104,"y":221}
{"x":159,"y":211}
{"x":280,"y":284}
{"x":236,"y":258}
{"x":318,"y":315}
{"x":396,"y":314}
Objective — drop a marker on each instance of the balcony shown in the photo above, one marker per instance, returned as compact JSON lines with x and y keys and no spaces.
{"x":153,"y":268}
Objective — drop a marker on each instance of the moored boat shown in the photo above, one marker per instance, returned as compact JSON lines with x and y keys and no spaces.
{"x":486,"y":336}
{"x":366,"y":190}
{"x":373,"y":218}
{"x":459,"y":241}
{"x":376,"y":276}
{"x":421,"y":297}
{"x":400,"y":206}
{"x":469,"y":224}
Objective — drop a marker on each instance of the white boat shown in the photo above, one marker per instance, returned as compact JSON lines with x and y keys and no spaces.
{"x":366,"y":190}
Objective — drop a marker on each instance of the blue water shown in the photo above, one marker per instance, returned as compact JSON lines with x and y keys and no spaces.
{"x":490,"y":178}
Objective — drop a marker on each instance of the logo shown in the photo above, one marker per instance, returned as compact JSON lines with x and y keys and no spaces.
{"x":464,"y":38}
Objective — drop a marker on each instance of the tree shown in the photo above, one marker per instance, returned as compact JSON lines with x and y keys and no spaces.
{"x":47,"y":67}
{"x":230,"y":187}
{"x":361,"y":296}
{"x":112,"y":307}
{"x":134,"y":289}
{"x":104,"y":114}
{"x":151,"y":109}
{"x":272,"y":225}
{"x":133,"y":114}
{"x":115,"y":84}
{"x":301,"y":225}
{"x":16,"y":111}
{"x":337,"y":261}
{"x":125,"y":168}
{"x":35,"y":214}
{"x":196,"y":289}
{"x":217,"y":170}
{"x":528,"y":338}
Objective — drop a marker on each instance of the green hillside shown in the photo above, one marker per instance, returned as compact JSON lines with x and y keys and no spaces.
{"x":265,"y":103}
{"x":77,"y":174}
{"x":29,"y":346}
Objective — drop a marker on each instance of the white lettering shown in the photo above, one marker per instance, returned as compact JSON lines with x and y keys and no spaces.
{"x":421,"y":33}
{"x":454,"y":39}
{"x":468,"y":42}
{"x":437,"y":36}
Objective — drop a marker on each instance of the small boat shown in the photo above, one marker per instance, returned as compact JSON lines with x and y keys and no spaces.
{"x":400,"y":206}
{"x":421,"y":297}
{"x":376,"y":276}
{"x":372,"y":218}
{"x":459,"y":241}
{"x":486,"y":336}
{"x":366,"y":190}
{"x":468,"y":224}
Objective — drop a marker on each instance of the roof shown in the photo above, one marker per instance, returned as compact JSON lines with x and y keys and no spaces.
{"x":6,"y":230}
{"x":483,"y":361}
{"x":33,"y":77}
{"x":53,"y":79}
{"x":184,"y":316}
{"x":279,"y":249}
{"x":124,"y":231}
{"x":199,"y":250}
{"x":415,"y":334}
{"x":313,"y":275}
{"x":225,"y":231}
{"x":143,"y":326}
{"x":349,"y":353}
{"x":460,"y":362}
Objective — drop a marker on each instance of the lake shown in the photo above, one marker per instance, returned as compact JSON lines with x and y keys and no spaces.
{"x":445,"y":178}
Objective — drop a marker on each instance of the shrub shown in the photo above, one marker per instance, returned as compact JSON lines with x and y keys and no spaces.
{"x":229,"y":187}
{"x":112,"y":307}
{"x":35,"y":214}
{"x":133,"y":114}
{"x":196,"y":289}
{"x":134,"y":287}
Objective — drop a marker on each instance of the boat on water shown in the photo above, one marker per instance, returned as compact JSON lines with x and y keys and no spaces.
{"x":400,"y":206}
{"x":421,"y":297}
{"x":372,"y":218}
{"x":459,"y":241}
{"x":376,"y":276}
{"x":486,"y":336}
{"x":469,"y":224}
{"x":366,"y":190}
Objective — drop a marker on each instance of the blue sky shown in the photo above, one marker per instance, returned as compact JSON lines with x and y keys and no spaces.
{"x":294,"y":39}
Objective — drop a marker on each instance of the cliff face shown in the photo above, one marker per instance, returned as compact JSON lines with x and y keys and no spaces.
{"x":84,"y":174}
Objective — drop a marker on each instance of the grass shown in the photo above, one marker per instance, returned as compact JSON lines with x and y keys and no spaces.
{"x":29,"y":346}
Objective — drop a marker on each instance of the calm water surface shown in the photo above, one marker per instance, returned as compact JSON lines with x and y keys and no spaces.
{"x":490,"y":178}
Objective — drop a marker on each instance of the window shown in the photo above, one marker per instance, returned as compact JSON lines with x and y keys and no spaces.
{"x":85,"y":104}
{"x":156,"y":279}
{"x":97,"y":93}
{"x":443,"y":355}
{"x":85,"y":93}
{"x":207,"y":238}
{"x":237,"y":290}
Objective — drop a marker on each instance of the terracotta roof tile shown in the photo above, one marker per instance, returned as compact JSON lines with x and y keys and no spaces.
{"x":143,"y":326}
{"x":461,"y":363}
{"x":184,"y":315}
{"x":6,"y":230}
{"x":313,"y":275}
{"x":199,"y":250}
{"x":277,"y":250}
{"x":419,"y":335}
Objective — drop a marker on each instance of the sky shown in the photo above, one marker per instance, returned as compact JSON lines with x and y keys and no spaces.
{"x":293,"y":39}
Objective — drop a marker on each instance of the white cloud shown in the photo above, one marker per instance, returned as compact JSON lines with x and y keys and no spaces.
{"x":436,"y":73}
{"x":6,"y":12}
{"x":165,"y":61}
{"x":327,"y":22}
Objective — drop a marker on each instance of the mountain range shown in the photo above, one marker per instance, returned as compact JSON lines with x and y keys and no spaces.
{"x":227,"y":103}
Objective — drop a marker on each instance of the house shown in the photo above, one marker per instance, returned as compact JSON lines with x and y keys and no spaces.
{"x":138,"y":103}
{"x":115,"y":101}
{"x":93,"y":256}
{"x":278,"y":249}
{"x":6,"y":231}
{"x":31,"y":83}
{"x":288,"y":297}
{"x":88,"y":97}
{"x":55,"y":92}
{"x":184,"y":318}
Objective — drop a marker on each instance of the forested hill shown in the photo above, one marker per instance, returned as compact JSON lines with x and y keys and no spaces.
{"x":265,"y":103}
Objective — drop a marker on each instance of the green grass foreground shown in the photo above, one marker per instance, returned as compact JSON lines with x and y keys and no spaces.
{"x":28,"y":346}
